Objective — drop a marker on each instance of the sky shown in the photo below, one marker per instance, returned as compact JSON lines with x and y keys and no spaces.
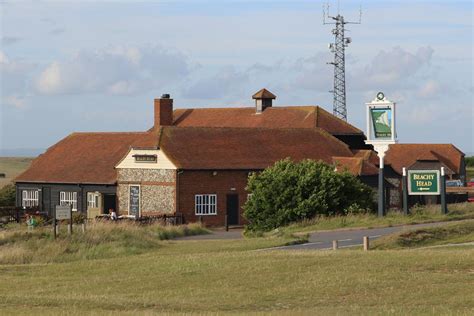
{"x":69,"y":66}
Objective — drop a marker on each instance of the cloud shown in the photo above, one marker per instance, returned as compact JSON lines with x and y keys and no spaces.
{"x":57,"y":31}
{"x":9,"y":40}
{"x":429,"y":89}
{"x":113,"y":70}
{"x":15,"y":75}
{"x":391,"y":68}
{"x":225,"y":83}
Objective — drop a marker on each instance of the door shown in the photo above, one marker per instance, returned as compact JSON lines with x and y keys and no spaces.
{"x":46,"y":201}
{"x":94,"y":204}
{"x":109,"y":203}
{"x":233,"y":209}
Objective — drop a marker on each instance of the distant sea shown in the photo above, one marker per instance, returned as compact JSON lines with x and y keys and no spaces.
{"x":21,"y":152}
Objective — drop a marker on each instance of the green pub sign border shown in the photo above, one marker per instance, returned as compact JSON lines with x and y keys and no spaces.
{"x":424,"y":182}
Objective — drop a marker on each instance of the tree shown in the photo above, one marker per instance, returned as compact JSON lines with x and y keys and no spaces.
{"x":7,"y":195}
{"x":289,"y":192}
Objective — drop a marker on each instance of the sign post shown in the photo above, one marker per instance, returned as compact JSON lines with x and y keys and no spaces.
{"x":444,"y":206}
{"x":381,"y":134}
{"x":427,"y":182}
{"x":405,"y":192}
{"x":63,"y":212}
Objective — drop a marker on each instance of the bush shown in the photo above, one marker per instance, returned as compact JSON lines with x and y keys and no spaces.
{"x":288,"y":192}
{"x":469,"y":161}
{"x":7,"y":195}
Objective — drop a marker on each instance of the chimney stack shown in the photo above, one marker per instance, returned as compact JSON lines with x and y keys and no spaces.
{"x":263,"y":100}
{"x":163,"y":111}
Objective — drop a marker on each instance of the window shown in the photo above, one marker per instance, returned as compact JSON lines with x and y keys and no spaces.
{"x":92,"y":200}
{"x":29,"y":198}
{"x":205,"y":204}
{"x":68,"y":198}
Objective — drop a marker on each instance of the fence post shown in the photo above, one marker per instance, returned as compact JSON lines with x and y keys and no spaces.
{"x":83,"y":227}
{"x":444,"y":207}
{"x":366,"y":243}
{"x":406,"y":211}
{"x":334,"y":245}
{"x":226,"y":223}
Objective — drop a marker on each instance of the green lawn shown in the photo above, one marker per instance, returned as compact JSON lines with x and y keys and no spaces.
{"x":470,"y":173}
{"x":232,"y":276}
{"x":430,"y":236}
{"x":12,"y":167}
{"x":418,"y":215}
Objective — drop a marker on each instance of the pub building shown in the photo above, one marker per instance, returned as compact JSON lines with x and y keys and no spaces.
{"x":195,"y":162}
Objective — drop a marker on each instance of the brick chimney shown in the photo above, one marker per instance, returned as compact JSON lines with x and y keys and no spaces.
{"x":163,"y":111}
{"x":263,"y":100}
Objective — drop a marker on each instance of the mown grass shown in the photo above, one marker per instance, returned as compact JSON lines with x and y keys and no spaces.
{"x":221,"y":277}
{"x":418,"y":215}
{"x":101,"y":240}
{"x":430,"y":236}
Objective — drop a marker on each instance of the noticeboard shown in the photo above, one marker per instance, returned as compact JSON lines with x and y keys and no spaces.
{"x":134,"y":206}
{"x":423,"y":182}
{"x":63,"y":212}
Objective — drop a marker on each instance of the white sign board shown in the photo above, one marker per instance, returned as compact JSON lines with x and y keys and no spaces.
{"x":381,"y":121}
{"x":63,"y":212}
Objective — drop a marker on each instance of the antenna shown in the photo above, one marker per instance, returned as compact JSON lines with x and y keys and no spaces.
{"x":338,"y":48}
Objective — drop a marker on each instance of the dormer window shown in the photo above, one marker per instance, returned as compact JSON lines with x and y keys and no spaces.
{"x":146,"y":158}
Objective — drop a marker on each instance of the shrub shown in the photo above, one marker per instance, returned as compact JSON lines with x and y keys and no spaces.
{"x":7,"y":195}
{"x":289,"y":192}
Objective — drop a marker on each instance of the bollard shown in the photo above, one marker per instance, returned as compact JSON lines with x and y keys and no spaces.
{"x":57,"y":229}
{"x":69,"y":229}
{"x":366,"y":243}
{"x":334,"y":244}
{"x":226,"y":223}
{"x":83,"y":227}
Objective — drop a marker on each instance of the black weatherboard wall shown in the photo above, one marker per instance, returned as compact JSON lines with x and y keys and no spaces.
{"x":49,"y":194}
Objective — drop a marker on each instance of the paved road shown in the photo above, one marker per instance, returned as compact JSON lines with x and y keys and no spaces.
{"x":321,"y":240}
{"x":350,"y":238}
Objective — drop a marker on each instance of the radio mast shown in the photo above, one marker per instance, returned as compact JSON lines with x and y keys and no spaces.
{"x":338,"y":48}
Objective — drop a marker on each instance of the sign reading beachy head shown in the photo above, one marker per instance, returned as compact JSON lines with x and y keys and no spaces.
{"x":381,"y":120}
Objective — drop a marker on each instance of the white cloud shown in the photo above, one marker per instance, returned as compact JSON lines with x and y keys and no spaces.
{"x":114,"y":70}
{"x":225,"y":83}
{"x":429,"y":89}
{"x":14,"y":78}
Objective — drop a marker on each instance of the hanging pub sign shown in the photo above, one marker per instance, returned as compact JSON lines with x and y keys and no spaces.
{"x":423,"y":182}
{"x":381,"y":120}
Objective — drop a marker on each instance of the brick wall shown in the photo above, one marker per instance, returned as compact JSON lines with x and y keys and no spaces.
{"x":191,"y":183}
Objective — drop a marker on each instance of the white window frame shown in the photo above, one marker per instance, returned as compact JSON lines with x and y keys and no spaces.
{"x":29,"y":198}
{"x":68,"y":198}
{"x":93,"y":200}
{"x":205,"y":204}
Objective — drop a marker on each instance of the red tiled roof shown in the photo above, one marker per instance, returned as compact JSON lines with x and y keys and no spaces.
{"x":368,"y":155}
{"x":271,"y":117}
{"x":85,"y":158}
{"x":356,"y":166}
{"x":246,"y":148}
{"x":405,"y":155}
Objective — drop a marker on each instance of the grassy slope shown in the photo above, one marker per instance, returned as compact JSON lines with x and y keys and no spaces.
{"x":12,"y":166}
{"x":101,"y":240}
{"x":224,"y":276}
{"x":417,"y":216}
{"x":451,"y":233}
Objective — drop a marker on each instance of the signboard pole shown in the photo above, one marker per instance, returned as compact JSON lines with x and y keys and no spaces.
{"x":444,"y":207}
{"x":381,"y":206}
{"x":70,"y":221}
{"x":406,"y":211}
{"x":380,"y":134}
{"x":54,"y":223}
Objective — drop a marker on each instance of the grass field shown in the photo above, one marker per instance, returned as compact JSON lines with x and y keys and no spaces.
{"x":233,"y":276}
{"x":455,"y":233}
{"x":470,"y":173}
{"x":12,"y":166}
{"x":418,"y":215}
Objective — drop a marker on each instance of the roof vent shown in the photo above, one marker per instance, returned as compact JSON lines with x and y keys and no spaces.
{"x":263,"y":100}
